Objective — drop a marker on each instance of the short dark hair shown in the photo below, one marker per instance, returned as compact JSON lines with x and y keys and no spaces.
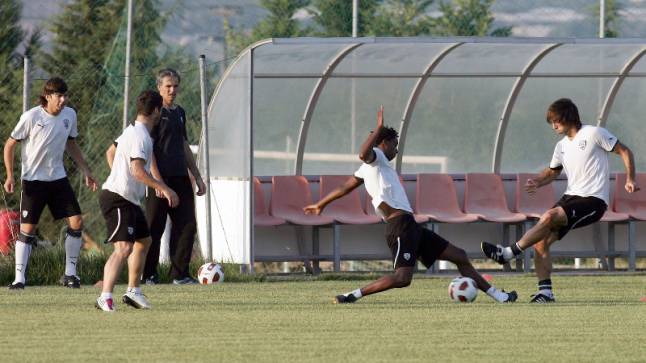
{"x":148,"y":101}
{"x":167,"y":72}
{"x":386,"y":133}
{"x":564,"y":111}
{"x":53,"y":85}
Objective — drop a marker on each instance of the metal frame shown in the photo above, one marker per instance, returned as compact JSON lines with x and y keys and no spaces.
{"x":412,"y":100}
{"x":511,"y":101}
{"x":311,"y":104}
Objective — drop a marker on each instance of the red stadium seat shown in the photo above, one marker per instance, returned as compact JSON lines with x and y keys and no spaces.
{"x":346,"y":210}
{"x":437,"y":199}
{"x":261,"y":217}
{"x":484,"y":195}
{"x":533,"y":205}
{"x":634,"y":206}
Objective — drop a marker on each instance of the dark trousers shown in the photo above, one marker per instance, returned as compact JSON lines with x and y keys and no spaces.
{"x":183,"y":227}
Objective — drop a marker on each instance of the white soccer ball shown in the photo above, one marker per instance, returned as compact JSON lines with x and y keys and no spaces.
{"x":210,"y":273}
{"x":463,"y":289}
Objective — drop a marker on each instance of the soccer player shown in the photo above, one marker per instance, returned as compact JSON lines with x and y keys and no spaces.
{"x":174,"y":161}
{"x":407,"y":240}
{"x":583,"y":155}
{"x":120,"y":204}
{"x":46,"y":132}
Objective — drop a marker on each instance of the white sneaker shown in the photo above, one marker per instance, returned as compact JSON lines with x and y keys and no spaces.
{"x":104,"y":304}
{"x":137,"y":301}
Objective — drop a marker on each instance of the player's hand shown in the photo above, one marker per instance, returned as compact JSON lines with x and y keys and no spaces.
{"x":159,"y":193}
{"x":9,"y":185}
{"x":171,"y":196}
{"x":531,"y":186}
{"x":312,"y":209}
{"x":90,"y":182}
{"x":380,"y":117}
{"x":631,"y":186}
{"x":201,"y":188}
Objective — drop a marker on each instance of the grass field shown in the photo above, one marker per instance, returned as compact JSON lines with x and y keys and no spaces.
{"x":596,"y":319}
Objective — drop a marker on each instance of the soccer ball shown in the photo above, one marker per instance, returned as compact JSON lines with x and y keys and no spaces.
{"x":463,"y":289}
{"x":210,"y":273}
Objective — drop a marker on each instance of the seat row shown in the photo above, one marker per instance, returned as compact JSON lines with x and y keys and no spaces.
{"x":436,"y":202}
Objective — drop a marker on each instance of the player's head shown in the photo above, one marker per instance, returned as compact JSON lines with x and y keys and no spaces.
{"x":387,"y":141}
{"x":563,"y":115}
{"x":149,"y":104}
{"x":168,"y":84}
{"x":54,"y":94}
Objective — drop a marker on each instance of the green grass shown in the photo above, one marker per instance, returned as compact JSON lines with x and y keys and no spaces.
{"x":596,"y":319}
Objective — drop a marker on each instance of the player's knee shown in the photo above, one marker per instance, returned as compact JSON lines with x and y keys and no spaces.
{"x":548,"y":219}
{"x":460,"y":257}
{"x":403,"y":279}
{"x":123,"y":250}
{"x":29,"y":239}
{"x":74,"y":232}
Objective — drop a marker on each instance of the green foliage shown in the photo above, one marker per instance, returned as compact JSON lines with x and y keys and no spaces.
{"x":612,"y":19}
{"x":334,"y":17}
{"x":467,"y":18}
{"x":399,"y":18}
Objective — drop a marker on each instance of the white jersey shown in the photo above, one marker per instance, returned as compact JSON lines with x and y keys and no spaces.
{"x":43,"y":138}
{"x":382,"y":183}
{"x":134,"y":143}
{"x":585,"y":162}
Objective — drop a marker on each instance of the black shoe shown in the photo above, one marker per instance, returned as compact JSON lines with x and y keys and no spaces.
{"x":493,"y":252}
{"x":152,"y":280}
{"x":512,"y":296}
{"x":345,"y":299}
{"x":542,"y":299}
{"x":16,"y":286}
{"x":73,"y":282}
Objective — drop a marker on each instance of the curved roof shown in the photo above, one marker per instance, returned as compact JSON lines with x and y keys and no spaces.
{"x":304,"y":105}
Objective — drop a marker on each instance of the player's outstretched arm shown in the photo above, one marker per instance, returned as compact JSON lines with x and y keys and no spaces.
{"x":74,"y":151}
{"x":366,"y":154}
{"x":139,"y":172}
{"x":629,"y":163}
{"x":9,"y":149}
{"x":545,"y":177}
{"x":337,"y":193}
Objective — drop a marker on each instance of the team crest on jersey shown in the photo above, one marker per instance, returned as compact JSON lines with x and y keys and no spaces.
{"x":66,"y":122}
{"x":131,"y":230}
{"x":25,"y":213}
{"x":406,"y":256}
{"x":582,"y":144}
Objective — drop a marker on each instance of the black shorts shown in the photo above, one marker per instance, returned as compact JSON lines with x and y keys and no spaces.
{"x":124,"y":220}
{"x":408,"y":242}
{"x":57,"y":195}
{"x":580,"y":211}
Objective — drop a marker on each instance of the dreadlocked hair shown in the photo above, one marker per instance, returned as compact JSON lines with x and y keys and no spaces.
{"x":386,"y":133}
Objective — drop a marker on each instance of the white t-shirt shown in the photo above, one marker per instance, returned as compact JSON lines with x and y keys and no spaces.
{"x":585,"y":161}
{"x":134,"y":143}
{"x":43,"y":138}
{"x":382,"y":183}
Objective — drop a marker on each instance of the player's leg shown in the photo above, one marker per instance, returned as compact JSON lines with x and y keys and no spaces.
{"x":183,"y":232}
{"x":62,"y":203}
{"x":111,"y":270}
{"x":133,"y":296}
{"x":32,"y":203}
{"x":553,"y":219}
{"x":433,"y":243}
{"x":400,"y":278}
{"x":543,"y":267}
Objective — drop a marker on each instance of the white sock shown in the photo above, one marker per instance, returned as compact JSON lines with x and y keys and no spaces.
{"x":135,"y":290}
{"x":497,"y":295}
{"x":507,"y":253}
{"x":23,"y":250}
{"x":72,"y":251}
{"x":546,"y":292}
{"x":356,"y":293}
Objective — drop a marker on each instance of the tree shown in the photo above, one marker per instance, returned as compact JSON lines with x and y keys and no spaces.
{"x":334,"y":17}
{"x":402,"y":18}
{"x":279,"y":23}
{"x":467,"y":18}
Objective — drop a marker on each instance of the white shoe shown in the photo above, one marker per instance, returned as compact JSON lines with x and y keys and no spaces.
{"x":137,"y":301}
{"x":104,"y":304}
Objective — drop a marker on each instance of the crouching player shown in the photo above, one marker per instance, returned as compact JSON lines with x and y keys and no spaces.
{"x":130,"y":159}
{"x":407,"y":240}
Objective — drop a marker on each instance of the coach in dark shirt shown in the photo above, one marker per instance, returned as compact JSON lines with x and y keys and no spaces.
{"x":174,"y":160}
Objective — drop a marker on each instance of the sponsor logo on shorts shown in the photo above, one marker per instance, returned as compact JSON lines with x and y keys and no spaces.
{"x":131,"y":230}
{"x":25,"y":213}
{"x":406,"y":256}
